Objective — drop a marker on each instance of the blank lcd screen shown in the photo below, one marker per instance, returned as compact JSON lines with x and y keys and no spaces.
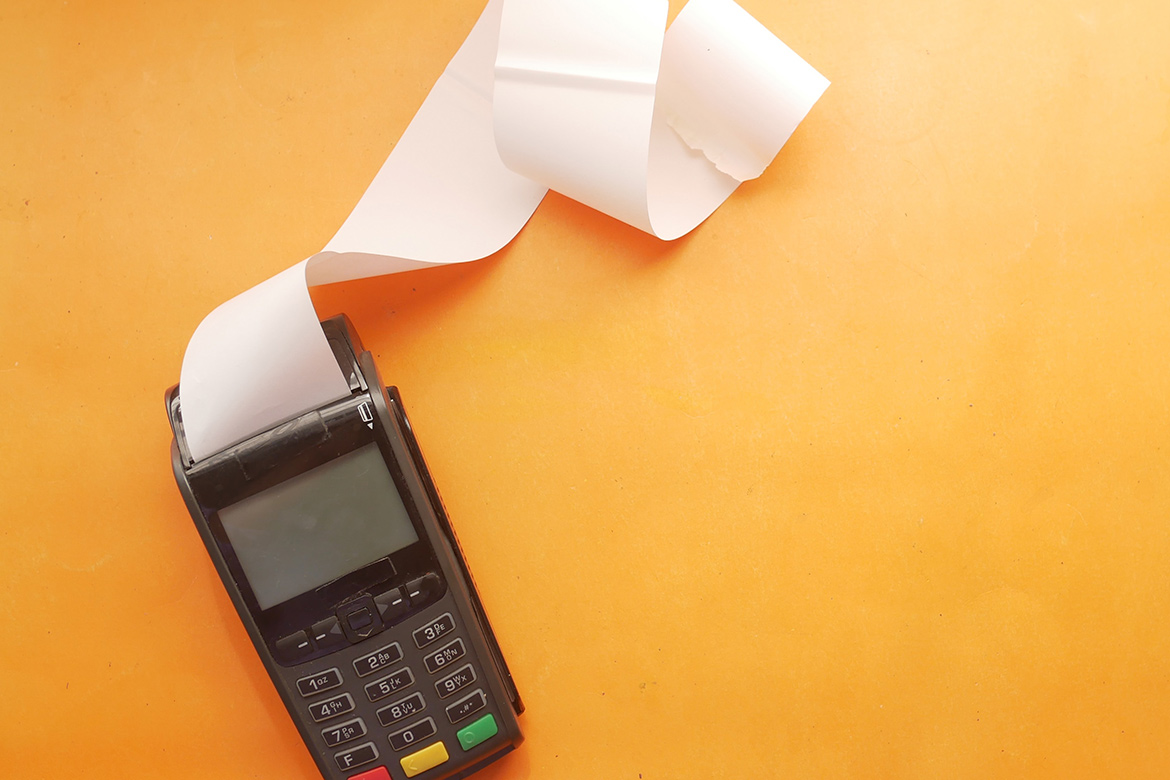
{"x":318,"y":526}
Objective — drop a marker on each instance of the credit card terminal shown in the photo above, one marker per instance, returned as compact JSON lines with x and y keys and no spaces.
{"x":334,"y":546}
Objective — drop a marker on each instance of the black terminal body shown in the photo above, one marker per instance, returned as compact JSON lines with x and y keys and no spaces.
{"x":332,"y":542}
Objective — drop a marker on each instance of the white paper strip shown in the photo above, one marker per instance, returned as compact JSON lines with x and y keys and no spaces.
{"x":584,"y":96}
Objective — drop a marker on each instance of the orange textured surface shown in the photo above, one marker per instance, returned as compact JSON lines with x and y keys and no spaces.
{"x":867,"y":477}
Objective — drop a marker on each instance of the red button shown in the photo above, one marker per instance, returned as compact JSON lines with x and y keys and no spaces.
{"x":381,"y":773}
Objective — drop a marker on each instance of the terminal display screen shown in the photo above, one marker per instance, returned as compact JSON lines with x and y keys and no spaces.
{"x":318,"y":526}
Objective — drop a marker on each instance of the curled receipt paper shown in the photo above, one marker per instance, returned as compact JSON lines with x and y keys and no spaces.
{"x":587,"y":97}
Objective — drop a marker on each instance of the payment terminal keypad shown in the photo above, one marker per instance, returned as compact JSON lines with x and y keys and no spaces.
{"x":406,"y":705}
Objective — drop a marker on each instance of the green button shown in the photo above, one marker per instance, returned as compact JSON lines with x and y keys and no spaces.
{"x":483,"y":729}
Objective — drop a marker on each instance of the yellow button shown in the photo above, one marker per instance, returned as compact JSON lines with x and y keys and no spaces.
{"x":427,"y":758}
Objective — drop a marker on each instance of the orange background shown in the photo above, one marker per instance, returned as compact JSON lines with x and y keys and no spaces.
{"x":867,"y":477}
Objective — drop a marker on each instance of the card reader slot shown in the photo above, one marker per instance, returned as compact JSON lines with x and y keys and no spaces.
{"x":449,"y":532}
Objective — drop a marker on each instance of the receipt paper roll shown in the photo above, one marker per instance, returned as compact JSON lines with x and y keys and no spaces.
{"x":587,"y":97}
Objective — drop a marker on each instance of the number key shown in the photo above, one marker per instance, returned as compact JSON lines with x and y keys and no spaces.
{"x":456,"y":681}
{"x":344,"y":732}
{"x":437,"y":628}
{"x":391,"y":683}
{"x":437,"y":659}
{"x":383,"y":656}
{"x":403,"y":708}
{"x":401,"y":740}
{"x":319,"y":682}
{"x":331,"y":708}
